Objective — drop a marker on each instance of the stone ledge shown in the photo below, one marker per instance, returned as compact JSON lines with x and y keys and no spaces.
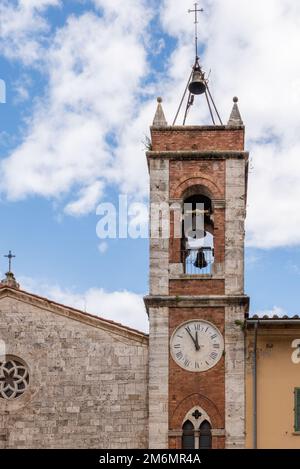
{"x":201,"y":155}
{"x":196,"y":277}
{"x":194,"y":301}
{"x":214,"y":128}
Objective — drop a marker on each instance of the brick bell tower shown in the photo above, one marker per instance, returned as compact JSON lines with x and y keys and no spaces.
{"x":196,"y":304}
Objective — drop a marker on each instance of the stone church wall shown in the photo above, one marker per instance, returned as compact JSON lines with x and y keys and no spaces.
{"x":87,"y":380}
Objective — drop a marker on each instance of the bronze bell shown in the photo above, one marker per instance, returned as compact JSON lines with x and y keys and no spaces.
{"x":197,"y":85}
{"x":200,"y":262}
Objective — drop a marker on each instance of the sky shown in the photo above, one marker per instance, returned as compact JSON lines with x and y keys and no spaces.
{"x":82,"y":77}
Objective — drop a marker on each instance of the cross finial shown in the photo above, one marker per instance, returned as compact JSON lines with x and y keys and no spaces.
{"x":10,"y":257}
{"x":196,"y":11}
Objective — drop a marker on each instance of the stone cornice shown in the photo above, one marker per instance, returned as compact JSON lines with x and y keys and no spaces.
{"x":276,"y":327}
{"x":194,"y":301}
{"x":73,"y":314}
{"x":198,"y":155}
{"x":213,"y":128}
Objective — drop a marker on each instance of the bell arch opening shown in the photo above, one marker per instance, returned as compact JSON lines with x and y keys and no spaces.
{"x":197,"y":242}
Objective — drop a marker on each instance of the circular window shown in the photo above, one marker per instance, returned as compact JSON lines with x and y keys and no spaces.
{"x":14,"y":378}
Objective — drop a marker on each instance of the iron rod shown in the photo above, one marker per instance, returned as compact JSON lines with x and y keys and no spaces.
{"x":215,"y":107}
{"x":187,"y":108}
{"x":183,"y":96}
{"x":210,"y":109}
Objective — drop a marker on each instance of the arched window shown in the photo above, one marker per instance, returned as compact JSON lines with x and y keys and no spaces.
{"x":197,"y":246}
{"x":205,"y":435}
{"x":188,"y":439}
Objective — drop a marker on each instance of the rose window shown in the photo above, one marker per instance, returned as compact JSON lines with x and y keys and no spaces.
{"x":14,"y":378}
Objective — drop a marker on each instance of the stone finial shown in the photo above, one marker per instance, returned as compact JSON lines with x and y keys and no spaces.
{"x":159,"y":118}
{"x":235,"y":116}
{"x":9,"y":281}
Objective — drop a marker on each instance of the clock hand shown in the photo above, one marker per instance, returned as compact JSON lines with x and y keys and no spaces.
{"x":196,"y":342}
{"x":196,"y":346}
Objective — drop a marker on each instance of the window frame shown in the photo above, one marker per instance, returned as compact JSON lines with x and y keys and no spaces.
{"x":297,"y":409}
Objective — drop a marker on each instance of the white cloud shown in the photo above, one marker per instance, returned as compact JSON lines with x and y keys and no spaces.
{"x":124,"y":307}
{"x":102,"y":247}
{"x":88,"y":198}
{"x":275,"y":311}
{"x":91,"y":99}
{"x":95,"y":66}
{"x":252,"y":55}
{"x":23,"y":28}
{"x":2,"y":91}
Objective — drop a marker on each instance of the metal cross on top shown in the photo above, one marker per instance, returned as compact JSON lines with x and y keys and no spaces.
{"x":196,"y":11}
{"x":10,"y":257}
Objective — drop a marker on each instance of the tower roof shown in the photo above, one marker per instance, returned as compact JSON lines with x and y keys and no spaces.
{"x":159,"y":118}
{"x":235,"y":118}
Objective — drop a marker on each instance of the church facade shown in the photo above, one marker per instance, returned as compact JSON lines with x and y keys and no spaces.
{"x":206,"y":376}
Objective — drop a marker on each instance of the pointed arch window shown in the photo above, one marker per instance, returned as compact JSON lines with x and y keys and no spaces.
{"x":188,"y":438}
{"x":205,"y":439}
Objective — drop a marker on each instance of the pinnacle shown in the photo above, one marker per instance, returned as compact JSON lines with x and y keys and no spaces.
{"x":235,"y":118}
{"x":159,"y":118}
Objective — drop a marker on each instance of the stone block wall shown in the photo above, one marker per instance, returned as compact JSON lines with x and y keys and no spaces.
{"x":88,"y":383}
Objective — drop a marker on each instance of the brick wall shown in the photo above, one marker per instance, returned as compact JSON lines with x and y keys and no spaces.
{"x":197,"y":138}
{"x":196,"y":287}
{"x":206,"y":389}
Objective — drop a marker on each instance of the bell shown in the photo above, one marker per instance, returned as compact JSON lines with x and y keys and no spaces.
{"x":195,"y":234}
{"x":197,"y":85}
{"x":200,"y":262}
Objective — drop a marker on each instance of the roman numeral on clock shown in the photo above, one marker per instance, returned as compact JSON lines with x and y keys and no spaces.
{"x":213,"y":355}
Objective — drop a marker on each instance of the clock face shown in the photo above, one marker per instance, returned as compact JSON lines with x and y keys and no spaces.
{"x":197,"y":345}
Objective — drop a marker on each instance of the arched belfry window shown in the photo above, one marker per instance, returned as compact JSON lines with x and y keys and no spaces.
{"x":197,"y":245}
{"x":205,"y":439}
{"x":188,"y":438}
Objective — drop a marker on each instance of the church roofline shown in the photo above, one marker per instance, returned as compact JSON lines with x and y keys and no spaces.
{"x":73,"y":313}
{"x":275,"y":318}
{"x":265,"y":321}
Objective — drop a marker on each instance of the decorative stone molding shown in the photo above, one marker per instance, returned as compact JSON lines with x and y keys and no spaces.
{"x":9,"y":281}
{"x":196,"y":301}
{"x":14,"y":378}
{"x":193,"y":419}
{"x":198,"y":155}
{"x":198,"y":401}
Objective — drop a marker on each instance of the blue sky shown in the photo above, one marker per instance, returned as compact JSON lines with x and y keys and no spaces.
{"x":82,"y":79}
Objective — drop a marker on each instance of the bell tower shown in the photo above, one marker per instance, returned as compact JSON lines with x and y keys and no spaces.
{"x":196,"y":304}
